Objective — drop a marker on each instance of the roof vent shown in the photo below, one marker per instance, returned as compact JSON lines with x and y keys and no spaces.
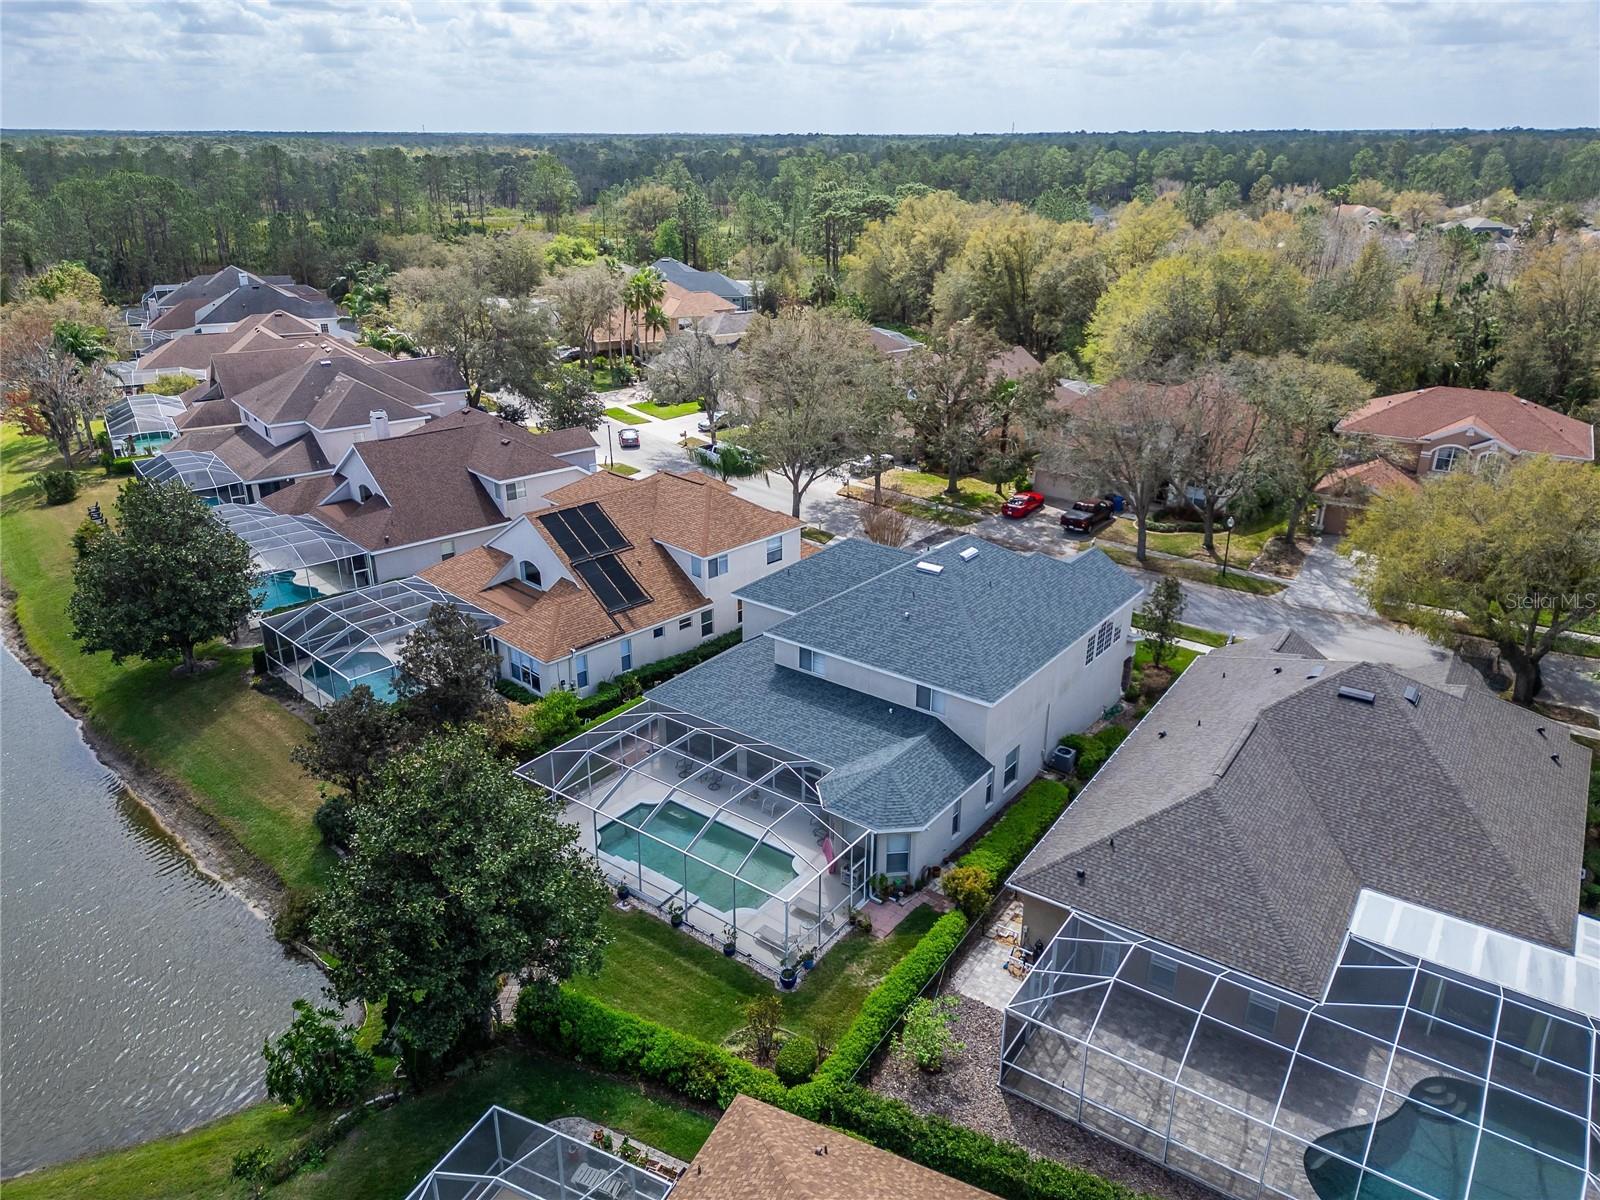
{"x":1082,"y":875}
{"x":326,"y":362}
{"x":1413,"y":694}
{"x":1366,"y":697}
{"x":1556,"y":758}
{"x":1540,"y":731}
{"x":970,"y":553}
{"x":1315,"y":672}
{"x":928,"y":568}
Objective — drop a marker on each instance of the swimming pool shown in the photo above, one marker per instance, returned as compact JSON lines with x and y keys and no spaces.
{"x":364,"y":666}
{"x":767,"y":868}
{"x":279,"y":590}
{"x":1431,"y":1143}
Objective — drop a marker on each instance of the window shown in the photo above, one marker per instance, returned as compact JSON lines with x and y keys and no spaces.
{"x":694,"y":567}
{"x":897,"y":854}
{"x":1011,"y":765}
{"x":627,"y":654}
{"x":581,"y":666}
{"x":447,"y":550}
{"x":516,"y":491}
{"x":988,"y":790}
{"x":363,"y":494}
{"x":955,"y":819}
{"x":659,"y":631}
{"x":1099,"y":642}
{"x":929,"y":700}
{"x":529,"y":573}
{"x":716,"y":566}
{"x":1163,"y":975}
{"x":684,"y":623}
{"x":523,"y":669}
{"x":813,"y":662}
{"x":1444,"y":458}
{"x":707,"y":623}
{"x":738,"y":612}
{"x":1261,"y":1013}
{"x":775,"y":549}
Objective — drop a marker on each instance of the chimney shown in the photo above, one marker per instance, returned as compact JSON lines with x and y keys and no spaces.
{"x":380,"y":422}
{"x":244,"y":280}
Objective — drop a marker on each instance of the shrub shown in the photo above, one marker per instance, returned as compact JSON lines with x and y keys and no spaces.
{"x":590,"y":1032}
{"x":971,"y":889}
{"x":316,"y":1062}
{"x":293,"y":917}
{"x":1007,"y":843}
{"x":336,"y":820}
{"x":925,"y":1039}
{"x":554,"y":718}
{"x":797,"y":1058}
{"x":885,"y":1003}
{"x":59,"y":487}
{"x":514,"y":691}
{"x":258,"y":661}
{"x":1094,"y":748}
{"x":762,"y":1016}
{"x":86,"y":535}
{"x":624,"y":687}
{"x":119,"y":466}
{"x":102,"y":440}
{"x":251,"y":1163}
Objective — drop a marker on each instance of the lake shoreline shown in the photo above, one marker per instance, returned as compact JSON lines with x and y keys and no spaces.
{"x":214,"y":851}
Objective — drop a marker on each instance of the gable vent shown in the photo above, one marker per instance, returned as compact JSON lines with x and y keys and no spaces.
{"x":970,"y":553}
{"x":928,"y":568}
{"x":1365,"y":697}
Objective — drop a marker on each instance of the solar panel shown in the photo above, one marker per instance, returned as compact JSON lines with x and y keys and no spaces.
{"x":584,"y":532}
{"x":611,"y":584}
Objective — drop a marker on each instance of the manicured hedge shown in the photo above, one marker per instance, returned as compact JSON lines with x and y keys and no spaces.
{"x":1007,"y":843}
{"x":1094,"y":748}
{"x":514,"y":691}
{"x":591,"y":1032}
{"x":886,"y":1002}
{"x":611,"y":693}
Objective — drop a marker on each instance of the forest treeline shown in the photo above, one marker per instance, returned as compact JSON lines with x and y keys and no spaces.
{"x":140,"y":209}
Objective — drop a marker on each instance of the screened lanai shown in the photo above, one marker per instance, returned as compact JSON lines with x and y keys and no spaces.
{"x":202,"y":472}
{"x":300,"y":558}
{"x":508,"y":1157}
{"x":144,"y":423}
{"x":325,"y":649}
{"x":1407,"y":1082}
{"x":686,"y":812}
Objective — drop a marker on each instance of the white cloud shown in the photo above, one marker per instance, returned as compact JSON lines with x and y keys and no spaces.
{"x":770,"y":66}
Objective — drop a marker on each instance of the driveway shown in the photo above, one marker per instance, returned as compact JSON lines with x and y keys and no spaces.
{"x":1327,"y":583}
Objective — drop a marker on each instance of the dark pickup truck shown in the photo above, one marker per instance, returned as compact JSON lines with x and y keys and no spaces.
{"x":1085,"y":516}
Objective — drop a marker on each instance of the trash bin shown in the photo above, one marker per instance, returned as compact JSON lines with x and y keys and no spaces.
{"x":1116,"y":502}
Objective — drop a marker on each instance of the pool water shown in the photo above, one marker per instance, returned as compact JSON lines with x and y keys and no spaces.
{"x":279,"y":590}
{"x":768,"y":868}
{"x":1429,"y":1143}
{"x":364,"y":666}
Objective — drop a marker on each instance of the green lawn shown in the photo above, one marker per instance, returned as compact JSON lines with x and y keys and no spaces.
{"x":623,"y":469}
{"x":669,"y":977}
{"x":666,"y":412}
{"x":626,"y":415}
{"x":1189,"y":633}
{"x":974,"y":493}
{"x":1178,"y":657}
{"x":228,"y":744}
{"x":387,"y":1154}
{"x":1249,"y":539}
{"x":605,"y":380}
{"x":1196,"y":573}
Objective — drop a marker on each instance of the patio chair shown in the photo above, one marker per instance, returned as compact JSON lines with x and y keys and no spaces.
{"x":714,"y":784}
{"x":685,"y":768}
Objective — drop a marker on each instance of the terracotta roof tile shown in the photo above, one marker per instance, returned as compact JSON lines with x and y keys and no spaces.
{"x":1374,"y":475}
{"x":1526,"y":427}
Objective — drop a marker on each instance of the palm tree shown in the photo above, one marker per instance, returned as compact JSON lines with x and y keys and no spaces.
{"x":646,"y":289}
{"x":727,"y":461}
{"x":655,"y":321}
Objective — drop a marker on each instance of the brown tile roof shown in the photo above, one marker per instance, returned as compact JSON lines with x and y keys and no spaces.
{"x":1526,"y":427}
{"x":253,"y":457}
{"x":758,"y":1152}
{"x":1374,"y":475}
{"x":689,"y":510}
{"x":1014,"y":363}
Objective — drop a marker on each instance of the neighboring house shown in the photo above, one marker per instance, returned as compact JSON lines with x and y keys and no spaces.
{"x":882,"y":707}
{"x":1345,"y":492}
{"x":1363,"y":214}
{"x":217,"y":302}
{"x":1498,"y":230}
{"x":682,"y":308}
{"x":891,"y":343}
{"x":727,"y":328}
{"x":618,"y":574}
{"x":192,"y":355}
{"x":735,"y":292}
{"x":1059,"y":476}
{"x":1312,"y":929}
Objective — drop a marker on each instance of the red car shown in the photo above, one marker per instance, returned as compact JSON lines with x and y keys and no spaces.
{"x":1085,"y":516}
{"x":1022,"y":504}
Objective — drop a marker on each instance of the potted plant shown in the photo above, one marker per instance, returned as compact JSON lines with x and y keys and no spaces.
{"x":808,"y":958}
{"x":675,"y":914}
{"x":730,"y":945}
{"x":787,"y":973}
{"x":622,"y":891}
{"x":880,"y":888}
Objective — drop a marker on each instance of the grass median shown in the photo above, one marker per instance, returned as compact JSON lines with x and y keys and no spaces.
{"x":1194,"y":572}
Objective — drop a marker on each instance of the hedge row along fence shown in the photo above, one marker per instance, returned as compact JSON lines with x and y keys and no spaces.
{"x":595,"y":1033}
{"x":612,"y":692}
{"x":1002,"y":849}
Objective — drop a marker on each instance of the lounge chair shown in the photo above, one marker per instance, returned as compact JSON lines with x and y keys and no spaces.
{"x":597,"y":1181}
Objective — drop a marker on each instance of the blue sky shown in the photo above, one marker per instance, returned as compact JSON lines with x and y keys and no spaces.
{"x":764,"y":66}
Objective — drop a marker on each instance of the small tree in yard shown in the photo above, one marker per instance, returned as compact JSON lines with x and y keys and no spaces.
{"x":459,"y":874}
{"x":1161,"y":617}
{"x":1513,"y":556}
{"x":353,"y":738}
{"x":726,"y":461}
{"x":447,"y":672}
{"x":884,"y":525}
{"x":165,"y":579}
{"x":762,"y":1018}
{"x":316,"y":1062}
{"x":692,"y":369}
{"x":925,"y":1039}
{"x":970,"y":888}
{"x":554,"y":718}
{"x":569,"y":401}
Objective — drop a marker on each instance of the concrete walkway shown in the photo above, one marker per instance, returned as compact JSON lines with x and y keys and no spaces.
{"x":1327,"y":583}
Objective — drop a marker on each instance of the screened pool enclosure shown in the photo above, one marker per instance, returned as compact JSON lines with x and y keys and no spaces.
{"x":326,"y":649}
{"x":1408,"y":1082}
{"x":203,"y":473}
{"x":686,"y":812}
{"x":142,"y":424}
{"x":508,"y":1157}
{"x":300,"y":558}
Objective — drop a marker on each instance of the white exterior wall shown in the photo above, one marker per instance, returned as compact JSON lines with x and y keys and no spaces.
{"x":401,"y":561}
{"x":605,"y":658}
{"x":758,"y":618}
{"x":933,"y":845}
{"x":746,"y":564}
{"x":335,"y":442}
{"x":539,"y":489}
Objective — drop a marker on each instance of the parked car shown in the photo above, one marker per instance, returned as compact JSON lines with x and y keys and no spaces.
{"x":1022,"y":504}
{"x":628,"y":439}
{"x":721,"y":418}
{"x":868,"y":463}
{"x":1063,"y":759}
{"x":1085,"y":516}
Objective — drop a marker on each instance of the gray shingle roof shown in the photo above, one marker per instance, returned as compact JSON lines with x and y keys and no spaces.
{"x":693,"y":280}
{"x":978,"y":628}
{"x":1247,"y":831}
{"x":841,"y":565}
{"x":892,"y":767}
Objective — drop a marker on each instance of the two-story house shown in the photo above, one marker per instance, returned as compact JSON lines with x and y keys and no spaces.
{"x":215,"y":303}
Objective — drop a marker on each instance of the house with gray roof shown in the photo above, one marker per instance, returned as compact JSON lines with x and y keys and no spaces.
{"x":1313,"y":930}
{"x":881,"y":707}
{"x":691,"y":279}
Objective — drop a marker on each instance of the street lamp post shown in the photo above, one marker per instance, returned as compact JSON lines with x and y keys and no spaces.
{"x":1227,"y":546}
{"x":611,"y":458}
